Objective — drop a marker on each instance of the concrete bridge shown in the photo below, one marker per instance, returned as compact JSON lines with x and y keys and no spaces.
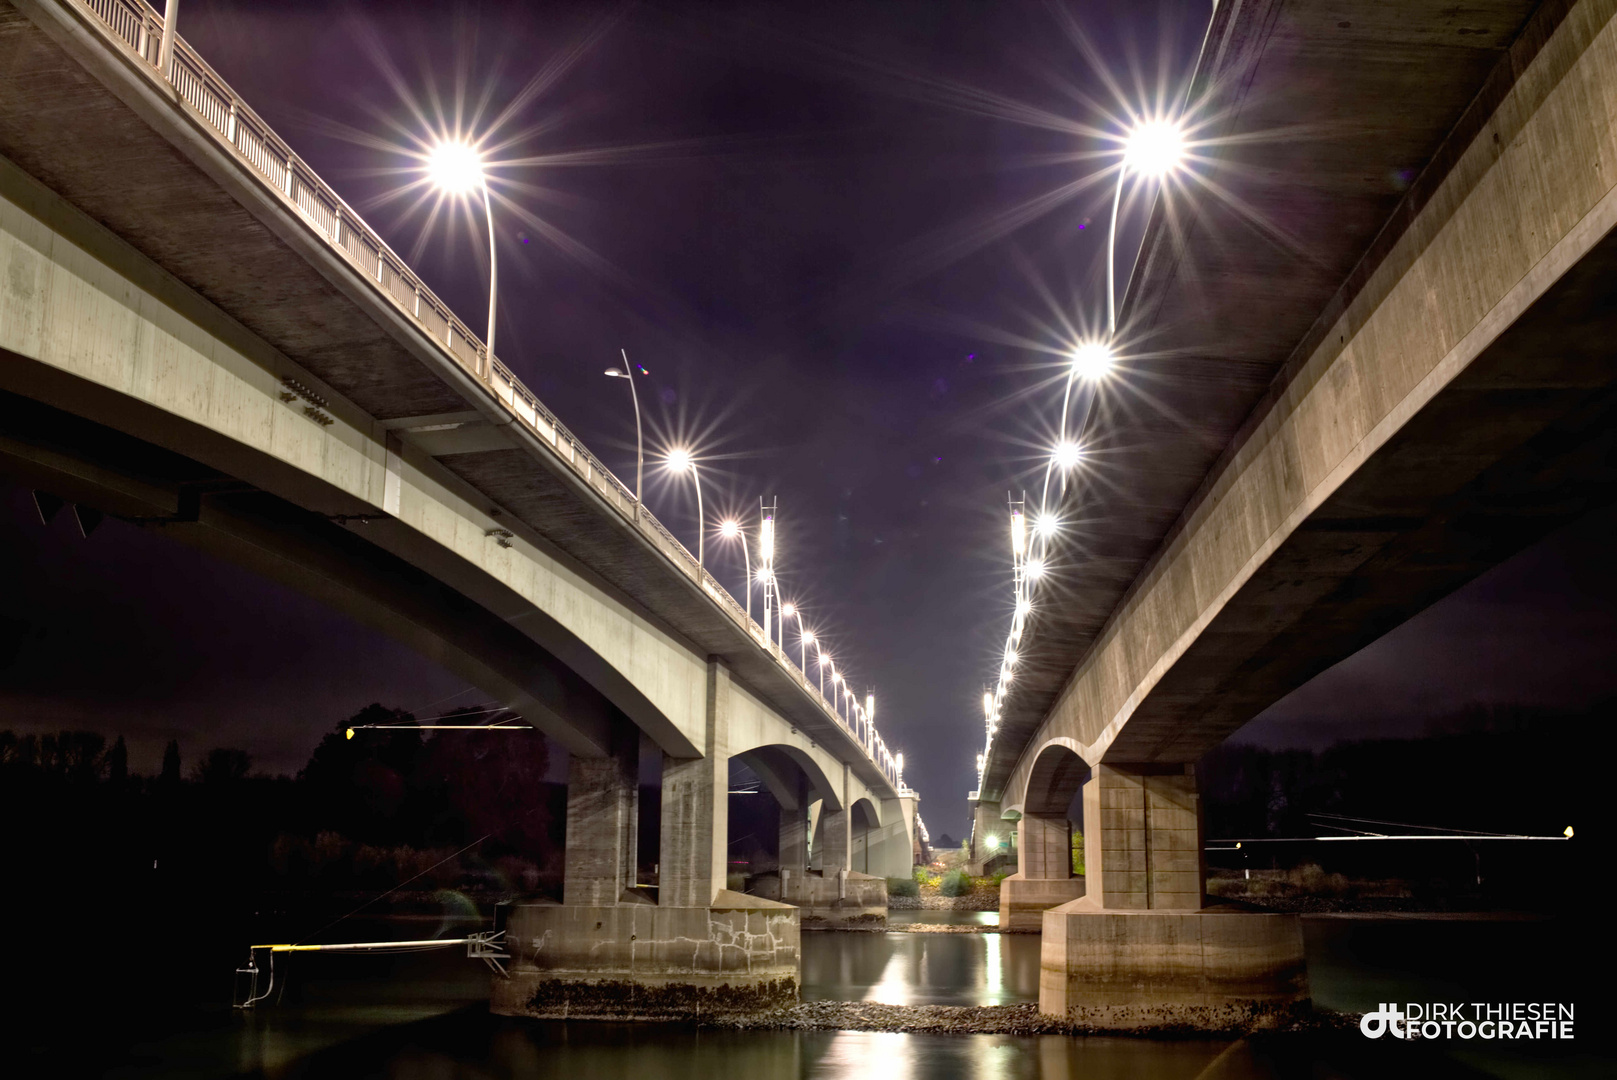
{"x":1390,"y":370}
{"x":198,"y":336}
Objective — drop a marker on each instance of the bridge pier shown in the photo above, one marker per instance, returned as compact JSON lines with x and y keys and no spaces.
{"x":985,"y":823}
{"x":613,"y":952}
{"x":836,"y":893}
{"x":1044,"y":877}
{"x":1143,"y":948}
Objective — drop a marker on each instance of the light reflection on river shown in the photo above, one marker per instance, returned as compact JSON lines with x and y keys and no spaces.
{"x":921,"y":968}
{"x":420,"y":1016}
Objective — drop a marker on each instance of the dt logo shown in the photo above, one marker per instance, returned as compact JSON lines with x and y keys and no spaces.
{"x":1385,"y":1019}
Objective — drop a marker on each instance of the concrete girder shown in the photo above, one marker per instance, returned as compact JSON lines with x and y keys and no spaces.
{"x":94,"y":121}
{"x":1457,"y":402}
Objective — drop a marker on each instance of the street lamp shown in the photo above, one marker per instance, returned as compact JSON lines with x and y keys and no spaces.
{"x":1153,"y":149}
{"x":1091,"y":360}
{"x":1066,"y":455}
{"x":639,"y":443}
{"x":805,"y":638}
{"x":766,"y":572}
{"x":730,"y":528}
{"x":679,"y":461}
{"x":786,"y":612}
{"x":457,"y":168}
{"x":824,"y":660}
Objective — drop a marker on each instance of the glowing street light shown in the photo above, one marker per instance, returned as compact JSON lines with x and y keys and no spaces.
{"x":805,"y":638}
{"x":1154,"y":148}
{"x":639,"y":443}
{"x":1092,"y":360}
{"x":456,"y":168}
{"x":1066,"y":455}
{"x":1035,"y":568}
{"x":679,"y":460}
{"x":730,"y":528}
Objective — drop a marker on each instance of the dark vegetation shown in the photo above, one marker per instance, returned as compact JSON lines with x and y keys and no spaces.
{"x":1512,"y":770}
{"x":365,"y":813}
{"x":166,"y":879}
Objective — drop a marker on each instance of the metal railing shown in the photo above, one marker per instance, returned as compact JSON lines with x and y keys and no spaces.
{"x":234,"y":124}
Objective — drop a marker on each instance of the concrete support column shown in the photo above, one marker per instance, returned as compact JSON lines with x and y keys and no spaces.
{"x":794,"y":837}
{"x":836,"y":840}
{"x":1141,"y":950}
{"x":1144,"y":848}
{"x":696,"y":809}
{"x":890,"y":847}
{"x":1044,"y":873}
{"x":1044,"y":847}
{"x":700,"y":949}
{"x":985,"y":822}
{"x":603,"y":822}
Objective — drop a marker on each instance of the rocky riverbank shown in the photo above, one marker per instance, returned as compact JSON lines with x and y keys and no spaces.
{"x":1023,"y":1019}
{"x":984,"y":896}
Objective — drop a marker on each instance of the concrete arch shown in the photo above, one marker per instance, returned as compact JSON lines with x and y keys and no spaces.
{"x":117,"y":455}
{"x":1053,"y":780}
{"x":869,"y":810}
{"x":353,"y":452}
{"x":782,"y":767}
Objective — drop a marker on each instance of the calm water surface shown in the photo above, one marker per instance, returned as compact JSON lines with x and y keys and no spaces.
{"x":421,"y":1015}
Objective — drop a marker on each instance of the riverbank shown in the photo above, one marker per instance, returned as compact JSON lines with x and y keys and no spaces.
{"x":1019,"y":1019}
{"x":983,"y":896}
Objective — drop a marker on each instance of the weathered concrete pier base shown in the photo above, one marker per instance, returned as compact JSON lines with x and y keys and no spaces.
{"x":1143,"y":948}
{"x":1044,"y":877}
{"x":1216,"y":969}
{"x":1024,"y":900}
{"x":831,"y":898}
{"x":643,"y":961}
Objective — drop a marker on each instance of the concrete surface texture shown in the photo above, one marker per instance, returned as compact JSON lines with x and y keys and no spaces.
{"x":1211,"y":970}
{"x":649,"y":961}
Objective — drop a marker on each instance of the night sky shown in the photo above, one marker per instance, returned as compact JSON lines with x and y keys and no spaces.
{"x":848,"y":260}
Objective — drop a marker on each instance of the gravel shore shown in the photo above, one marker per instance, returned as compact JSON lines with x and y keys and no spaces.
{"x":1021,"y":1019}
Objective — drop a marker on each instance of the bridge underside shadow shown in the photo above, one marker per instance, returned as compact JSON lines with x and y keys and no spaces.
{"x":99,"y":469}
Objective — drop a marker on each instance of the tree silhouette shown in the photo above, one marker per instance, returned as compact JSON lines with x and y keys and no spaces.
{"x":223,"y":765}
{"x":171,"y":763}
{"x":118,"y":763}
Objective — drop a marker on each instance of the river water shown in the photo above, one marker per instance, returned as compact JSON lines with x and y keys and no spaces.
{"x":420,"y":1015}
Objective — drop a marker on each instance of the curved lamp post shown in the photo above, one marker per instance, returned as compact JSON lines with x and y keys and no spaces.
{"x":679,"y":461}
{"x":1153,"y":149}
{"x":639,"y":443}
{"x":457,"y":168}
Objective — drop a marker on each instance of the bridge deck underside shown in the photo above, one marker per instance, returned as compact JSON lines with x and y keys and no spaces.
{"x":1523,"y":442}
{"x":88,"y":124}
{"x":1336,"y":108}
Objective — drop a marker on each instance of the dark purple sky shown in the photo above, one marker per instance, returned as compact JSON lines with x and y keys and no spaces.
{"x":793,"y":216}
